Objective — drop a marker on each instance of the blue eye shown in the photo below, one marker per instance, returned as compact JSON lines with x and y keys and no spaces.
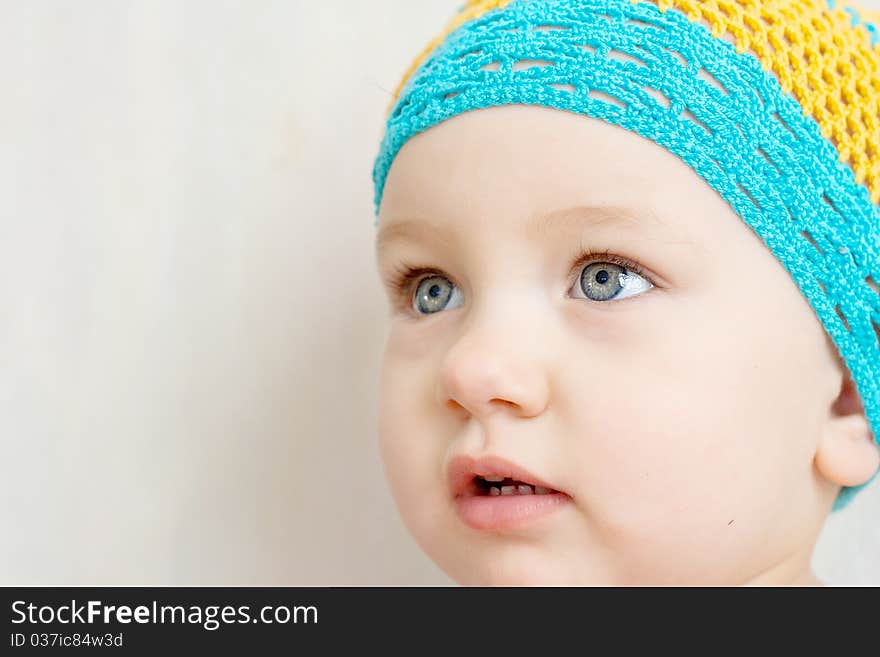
{"x":433,"y":294}
{"x":603,"y":277}
{"x":605,"y":281}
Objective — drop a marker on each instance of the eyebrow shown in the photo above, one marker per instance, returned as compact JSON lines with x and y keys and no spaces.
{"x":573,"y":218}
{"x":565,"y":219}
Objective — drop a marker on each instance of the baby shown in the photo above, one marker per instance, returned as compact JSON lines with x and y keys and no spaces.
{"x":632,"y":253}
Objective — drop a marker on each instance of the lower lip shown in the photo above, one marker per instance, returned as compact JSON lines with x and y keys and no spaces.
{"x":494,"y":512}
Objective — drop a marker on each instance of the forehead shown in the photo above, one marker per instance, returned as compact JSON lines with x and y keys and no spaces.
{"x":565,"y":222}
{"x":540,"y":171}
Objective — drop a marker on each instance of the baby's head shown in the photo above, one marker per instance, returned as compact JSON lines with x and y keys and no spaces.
{"x":631,"y":277}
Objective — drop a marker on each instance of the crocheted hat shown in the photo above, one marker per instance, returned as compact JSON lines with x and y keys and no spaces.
{"x":776,"y":104}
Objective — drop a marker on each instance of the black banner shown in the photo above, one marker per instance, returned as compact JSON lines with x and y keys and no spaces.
{"x":248,"y":620}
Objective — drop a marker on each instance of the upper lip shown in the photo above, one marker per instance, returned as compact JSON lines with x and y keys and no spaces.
{"x":463,"y":469}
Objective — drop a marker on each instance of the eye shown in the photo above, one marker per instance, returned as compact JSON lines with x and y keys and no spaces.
{"x":602,"y":276}
{"x":434,"y":294}
{"x":610,"y":279}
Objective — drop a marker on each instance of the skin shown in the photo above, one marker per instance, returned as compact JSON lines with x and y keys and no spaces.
{"x":702,"y":426}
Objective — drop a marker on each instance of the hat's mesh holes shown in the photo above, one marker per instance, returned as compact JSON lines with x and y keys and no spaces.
{"x":626,"y":57}
{"x":601,"y":95}
{"x":659,"y":96}
{"x":806,"y":234}
{"x":491,"y":66}
{"x":842,"y":318}
{"x":751,"y":198}
{"x":731,"y":39}
{"x":763,"y":154}
{"x":831,"y":205}
{"x":477,"y":51}
{"x":587,"y":46}
{"x":776,"y":116}
{"x":760,"y":100}
{"x":634,"y":21}
{"x":822,"y":285}
{"x":876,"y":331}
{"x":399,"y":109}
{"x":688,"y":116}
{"x":524,"y":64}
{"x":681,"y":58}
{"x":544,"y":28}
{"x":711,"y":79}
{"x":717,"y":30}
{"x":870,"y":281}
{"x":563,"y":87}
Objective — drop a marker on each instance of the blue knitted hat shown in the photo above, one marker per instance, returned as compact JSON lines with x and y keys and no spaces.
{"x":774,"y":104}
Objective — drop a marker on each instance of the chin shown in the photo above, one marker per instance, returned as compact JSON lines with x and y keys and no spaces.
{"x":516,"y":565}
{"x":520,"y":577}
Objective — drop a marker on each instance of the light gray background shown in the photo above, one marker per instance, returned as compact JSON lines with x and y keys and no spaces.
{"x":190,"y":322}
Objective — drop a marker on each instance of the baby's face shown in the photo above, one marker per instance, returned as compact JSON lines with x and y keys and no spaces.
{"x":674,"y":402}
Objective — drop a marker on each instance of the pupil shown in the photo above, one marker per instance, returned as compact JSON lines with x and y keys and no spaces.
{"x":434,"y":291}
{"x":602,"y":276}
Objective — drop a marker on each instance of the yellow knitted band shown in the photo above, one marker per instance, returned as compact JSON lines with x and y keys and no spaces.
{"x":825,"y":53}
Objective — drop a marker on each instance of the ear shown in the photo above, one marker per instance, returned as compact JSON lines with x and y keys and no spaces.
{"x":847,"y":454}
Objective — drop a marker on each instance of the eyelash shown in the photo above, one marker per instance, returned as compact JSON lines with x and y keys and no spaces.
{"x":406,"y":276}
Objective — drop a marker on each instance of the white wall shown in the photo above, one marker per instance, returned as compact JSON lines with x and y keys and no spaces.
{"x":190,"y":321}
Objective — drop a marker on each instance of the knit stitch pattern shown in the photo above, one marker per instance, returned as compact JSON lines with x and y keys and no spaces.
{"x":819,"y":50}
{"x":774,"y":104}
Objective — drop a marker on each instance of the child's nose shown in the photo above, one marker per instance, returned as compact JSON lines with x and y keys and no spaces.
{"x":486,"y":372}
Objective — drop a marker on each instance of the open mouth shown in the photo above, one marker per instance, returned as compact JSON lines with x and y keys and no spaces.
{"x":492,"y":476}
{"x":493,"y":494}
{"x":506,"y":486}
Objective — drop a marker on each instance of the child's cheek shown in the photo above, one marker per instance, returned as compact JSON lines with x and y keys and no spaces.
{"x":411,"y":453}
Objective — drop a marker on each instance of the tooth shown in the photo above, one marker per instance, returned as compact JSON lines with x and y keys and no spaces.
{"x":540,"y":490}
{"x":508,"y":490}
{"x":493,"y":478}
{"x":494,"y":491}
{"x":525,"y":490}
